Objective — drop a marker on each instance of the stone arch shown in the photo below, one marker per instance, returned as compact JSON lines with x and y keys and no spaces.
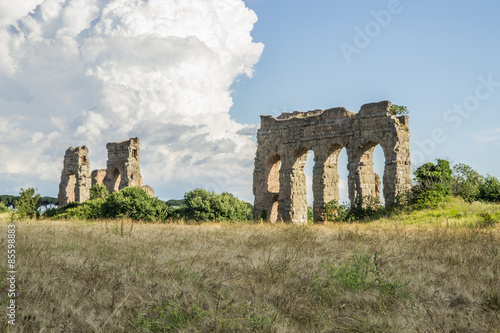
{"x":273,"y":165}
{"x":362,"y":179}
{"x":327,"y":133}
{"x":326,"y":178}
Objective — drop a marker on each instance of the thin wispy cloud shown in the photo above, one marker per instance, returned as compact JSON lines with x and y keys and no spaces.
{"x":488,"y":137}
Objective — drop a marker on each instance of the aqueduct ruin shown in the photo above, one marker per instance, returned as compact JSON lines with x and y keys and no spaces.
{"x":279,"y":183}
{"x":122,"y":170}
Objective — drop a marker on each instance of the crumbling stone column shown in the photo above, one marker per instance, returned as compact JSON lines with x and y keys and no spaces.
{"x":75,"y":176}
{"x":325,"y":178}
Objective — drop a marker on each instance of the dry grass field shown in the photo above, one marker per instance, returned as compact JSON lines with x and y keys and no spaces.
{"x":431,"y":274}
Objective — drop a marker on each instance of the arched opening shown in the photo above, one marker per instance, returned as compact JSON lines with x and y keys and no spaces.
{"x":308,"y":173}
{"x":369,"y":189}
{"x":343,"y":173}
{"x":379,"y":169}
{"x":335,"y":175}
{"x":117,"y":178}
{"x":273,"y":165}
{"x":71,"y":187}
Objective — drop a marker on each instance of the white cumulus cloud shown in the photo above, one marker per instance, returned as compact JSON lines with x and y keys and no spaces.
{"x":87,"y":72}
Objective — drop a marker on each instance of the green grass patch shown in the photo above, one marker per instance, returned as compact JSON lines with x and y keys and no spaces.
{"x":360,"y":272}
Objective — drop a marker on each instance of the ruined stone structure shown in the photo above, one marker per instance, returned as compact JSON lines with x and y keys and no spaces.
{"x":75,"y":177}
{"x":123,"y":170}
{"x":279,"y":183}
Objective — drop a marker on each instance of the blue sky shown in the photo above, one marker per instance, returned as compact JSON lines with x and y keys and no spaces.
{"x":77,"y":72}
{"x":429,"y":57}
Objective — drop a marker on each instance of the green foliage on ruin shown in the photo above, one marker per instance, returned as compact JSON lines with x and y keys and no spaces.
{"x":398,"y":110}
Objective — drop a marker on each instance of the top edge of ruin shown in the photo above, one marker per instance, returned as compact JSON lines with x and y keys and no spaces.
{"x":131,"y":141}
{"x":78,"y":150}
{"x":366,"y":110}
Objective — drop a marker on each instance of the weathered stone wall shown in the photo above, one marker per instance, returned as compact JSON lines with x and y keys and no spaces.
{"x":123,"y":168}
{"x":283,"y":143}
{"x":97,"y":176}
{"x":75,"y":176}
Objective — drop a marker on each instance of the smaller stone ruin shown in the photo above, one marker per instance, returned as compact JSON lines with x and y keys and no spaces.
{"x":122,"y":170}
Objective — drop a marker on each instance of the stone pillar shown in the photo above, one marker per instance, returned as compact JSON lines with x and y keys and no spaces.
{"x":362,"y":179}
{"x":292,"y":199}
{"x":397,"y":176}
{"x":325,"y":180}
{"x":75,"y":176}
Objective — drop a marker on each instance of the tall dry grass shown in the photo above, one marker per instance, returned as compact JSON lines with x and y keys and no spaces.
{"x":112,"y":276}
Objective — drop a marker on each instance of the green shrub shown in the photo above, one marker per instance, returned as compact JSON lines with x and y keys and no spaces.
{"x":466,"y":182}
{"x":202,"y":205}
{"x":3,"y":208}
{"x":135,"y":203}
{"x":228,"y":207}
{"x":334,"y":212}
{"x":489,"y":189}
{"x":89,"y":210}
{"x":27,"y":204}
{"x":363,"y":272}
{"x":433,"y":185}
{"x":435,"y":177}
{"x":427,"y":199}
{"x":56,"y":213}
{"x":98,"y":191}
